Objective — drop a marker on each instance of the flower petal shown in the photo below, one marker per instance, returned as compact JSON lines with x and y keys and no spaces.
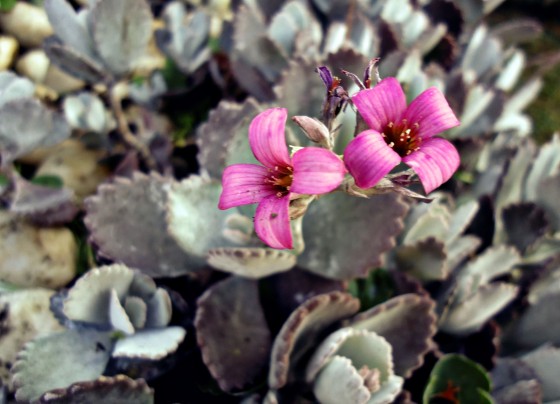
{"x":432,"y":112}
{"x":316,"y":171}
{"x":435,"y":162}
{"x":382,"y":104}
{"x":369,"y":159}
{"x":244,"y":184}
{"x":272,"y":222}
{"x":268,"y":139}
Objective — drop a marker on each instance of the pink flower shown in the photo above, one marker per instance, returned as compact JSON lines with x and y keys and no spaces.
{"x":310,"y":171}
{"x":402,"y":134}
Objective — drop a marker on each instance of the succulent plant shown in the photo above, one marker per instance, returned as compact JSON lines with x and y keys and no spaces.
{"x":112,"y":311}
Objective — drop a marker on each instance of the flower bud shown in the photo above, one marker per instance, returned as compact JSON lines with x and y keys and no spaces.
{"x":315,"y":130}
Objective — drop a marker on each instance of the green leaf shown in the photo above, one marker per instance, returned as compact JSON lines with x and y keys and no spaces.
{"x":52,"y":181}
{"x":7,"y":5}
{"x":455,"y":377}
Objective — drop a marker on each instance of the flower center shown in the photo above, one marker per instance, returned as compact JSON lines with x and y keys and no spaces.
{"x":281,"y":179}
{"x":402,"y":137}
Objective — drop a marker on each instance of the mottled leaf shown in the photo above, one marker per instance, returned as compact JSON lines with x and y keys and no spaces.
{"x":74,"y":63}
{"x":232,"y":333}
{"x":119,"y":217}
{"x":68,"y":27}
{"x":58,"y":360}
{"x":514,"y":382}
{"x":26,"y":125}
{"x":408,"y":323}
{"x":425,"y":260}
{"x":152,"y":344}
{"x":121,"y":30}
{"x":303,"y":328}
{"x":194,"y":219}
{"x":328,"y":222}
{"x":548,"y":196}
{"x":470,"y":314}
{"x":546,"y":363}
{"x":251,"y":262}
{"x":88,"y":300}
{"x":13,"y":87}
{"x":119,"y":389}
{"x":224,"y":139}
{"x":524,"y":224}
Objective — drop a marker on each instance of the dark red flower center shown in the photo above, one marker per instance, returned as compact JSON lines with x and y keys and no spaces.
{"x":280,"y":178}
{"x":402,"y":137}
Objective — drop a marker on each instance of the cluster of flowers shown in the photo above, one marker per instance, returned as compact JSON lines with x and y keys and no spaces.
{"x":397,"y":134}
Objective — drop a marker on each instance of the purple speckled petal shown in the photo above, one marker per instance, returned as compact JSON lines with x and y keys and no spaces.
{"x":382,"y":104}
{"x":369,"y":159}
{"x":435,"y":162}
{"x":272,"y":222}
{"x":244,"y":184}
{"x":268,"y":139}
{"x":432,"y":112}
{"x":316,"y":171}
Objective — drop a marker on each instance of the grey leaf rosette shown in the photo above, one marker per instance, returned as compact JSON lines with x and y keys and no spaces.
{"x":354,"y":366}
{"x":127,"y":303}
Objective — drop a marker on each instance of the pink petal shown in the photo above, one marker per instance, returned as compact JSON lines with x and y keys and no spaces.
{"x":382,"y":104}
{"x":435,"y":162}
{"x":432,"y":112}
{"x":369,"y":159}
{"x":268,"y":139}
{"x":272,"y":222}
{"x":244,"y":184}
{"x":316,"y":171}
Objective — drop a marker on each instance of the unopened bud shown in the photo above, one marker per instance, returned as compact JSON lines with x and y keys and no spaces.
{"x":315,"y":130}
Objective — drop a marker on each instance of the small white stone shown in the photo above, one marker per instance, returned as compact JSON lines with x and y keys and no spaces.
{"x":28,"y":23}
{"x":35,"y":257}
{"x":8,"y":50}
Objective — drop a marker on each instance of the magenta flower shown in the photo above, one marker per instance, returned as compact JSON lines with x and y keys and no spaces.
{"x":402,"y":134}
{"x":310,"y":171}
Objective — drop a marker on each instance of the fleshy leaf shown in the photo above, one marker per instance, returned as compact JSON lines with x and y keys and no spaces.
{"x":362,"y":347}
{"x":193,"y":218}
{"x":425,"y":260}
{"x":546,"y":361}
{"x":43,"y":204}
{"x":494,"y":262}
{"x":74,"y":63}
{"x":136,"y":311}
{"x":58,"y":360}
{"x":118,"y":217}
{"x":68,"y":27}
{"x":459,"y":377}
{"x":546,"y":163}
{"x":223,"y":139}
{"x":470,"y":314}
{"x":408,"y":323}
{"x":26,"y":125}
{"x":159,"y":309}
{"x":524,"y":224}
{"x":515,"y":381}
{"x":304,"y":326}
{"x":330,"y":252}
{"x":153,"y":344}
{"x":237,"y":357}
{"x":340,"y":382}
{"x":548,"y":196}
{"x":121,"y":30}
{"x":186,"y":37}
{"x":539,"y":324}
{"x":88,"y":300}
{"x":251,"y":262}
{"x":119,"y":389}
{"x":13,"y":87}
{"x":118,"y":316}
